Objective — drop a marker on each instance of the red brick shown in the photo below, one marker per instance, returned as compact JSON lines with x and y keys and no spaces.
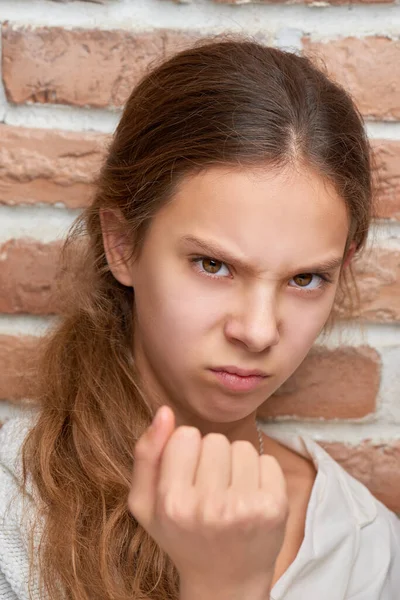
{"x":28,"y":277}
{"x":17,"y":360}
{"x":378,"y":281}
{"x":369,"y":68}
{"x":40,"y":165}
{"x":330,"y":384}
{"x":80,"y":67}
{"x":387,"y":172}
{"x":376,"y":465}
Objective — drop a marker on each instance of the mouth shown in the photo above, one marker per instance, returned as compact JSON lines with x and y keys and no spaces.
{"x":239,"y":380}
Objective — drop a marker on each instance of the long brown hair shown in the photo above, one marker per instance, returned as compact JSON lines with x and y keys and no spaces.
{"x":222,"y":102}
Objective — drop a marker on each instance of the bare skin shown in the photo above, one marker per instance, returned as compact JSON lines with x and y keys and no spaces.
{"x":240,"y":268}
{"x":218,"y":509}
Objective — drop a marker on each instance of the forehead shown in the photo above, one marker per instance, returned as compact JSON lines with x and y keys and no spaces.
{"x":266,"y":215}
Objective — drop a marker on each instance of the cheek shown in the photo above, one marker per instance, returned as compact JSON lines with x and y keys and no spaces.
{"x":176,"y":308}
{"x":304,"y":321}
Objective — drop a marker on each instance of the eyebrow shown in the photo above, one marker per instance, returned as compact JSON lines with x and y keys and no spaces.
{"x":214,"y":250}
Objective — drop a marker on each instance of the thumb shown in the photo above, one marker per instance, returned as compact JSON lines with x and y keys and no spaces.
{"x":147,"y":455}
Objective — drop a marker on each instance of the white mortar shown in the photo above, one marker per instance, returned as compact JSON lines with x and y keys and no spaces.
{"x":207,"y":16}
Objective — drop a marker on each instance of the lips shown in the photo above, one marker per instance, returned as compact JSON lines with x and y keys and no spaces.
{"x":241,"y":372}
{"x":239,"y":380}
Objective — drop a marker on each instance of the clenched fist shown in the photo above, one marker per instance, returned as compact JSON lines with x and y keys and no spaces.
{"x":218,"y":509}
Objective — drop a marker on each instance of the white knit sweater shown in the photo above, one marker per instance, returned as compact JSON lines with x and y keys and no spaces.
{"x":14,"y":561}
{"x":350,"y":551}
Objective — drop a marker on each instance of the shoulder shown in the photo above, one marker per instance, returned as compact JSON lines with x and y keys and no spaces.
{"x":351,"y":547}
{"x":374,"y":532}
{"x":335,"y":485}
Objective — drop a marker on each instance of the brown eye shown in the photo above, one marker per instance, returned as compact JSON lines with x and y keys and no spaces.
{"x":211,"y":266}
{"x":303,"y":279}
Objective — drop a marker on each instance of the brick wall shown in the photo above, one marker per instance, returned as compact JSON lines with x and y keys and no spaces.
{"x":67,"y":68}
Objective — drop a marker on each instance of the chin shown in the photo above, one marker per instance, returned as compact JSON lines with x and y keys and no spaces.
{"x":226,"y":409}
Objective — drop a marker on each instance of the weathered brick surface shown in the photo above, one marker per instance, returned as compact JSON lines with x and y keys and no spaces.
{"x":17,"y":360}
{"x":376,"y":465}
{"x":378,"y":279}
{"x":80,"y":67}
{"x":369,"y":68}
{"x":100,"y":68}
{"x":39,"y":165}
{"x":330,"y":384}
{"x":386,"y":158}
{"x":28,"y":277}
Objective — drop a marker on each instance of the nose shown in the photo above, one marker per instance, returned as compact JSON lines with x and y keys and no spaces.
{"x":255,"y":322}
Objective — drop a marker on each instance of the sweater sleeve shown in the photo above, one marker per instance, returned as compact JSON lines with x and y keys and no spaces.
{"x":14,"y":562}
{"x":6,"y":592}
{"x":17,"y":515}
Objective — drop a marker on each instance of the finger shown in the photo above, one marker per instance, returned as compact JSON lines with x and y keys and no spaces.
{"x":214,"y":467}
{"x":245,"y":466}
{"x":272,"y":479}
{"x":147,"y":455}
{"x":179,"y":460}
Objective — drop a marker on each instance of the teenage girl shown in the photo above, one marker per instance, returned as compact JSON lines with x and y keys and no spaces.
{"x":235,"y":193}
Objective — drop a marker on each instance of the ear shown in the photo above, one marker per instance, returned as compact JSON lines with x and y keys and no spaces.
{"x":116,"y":245}
{"x":349,"y":255}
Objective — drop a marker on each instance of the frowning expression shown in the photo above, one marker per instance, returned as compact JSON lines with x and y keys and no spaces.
{"x":238,"y":274}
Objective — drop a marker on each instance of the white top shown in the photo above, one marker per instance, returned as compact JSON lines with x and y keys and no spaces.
{"x":350,"y":551}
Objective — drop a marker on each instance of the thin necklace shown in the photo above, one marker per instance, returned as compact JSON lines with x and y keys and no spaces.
{"x":260,"y":439}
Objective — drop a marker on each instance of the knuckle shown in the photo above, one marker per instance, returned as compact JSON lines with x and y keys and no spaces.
{"x":210,"y":513}
{"x":250,"y":513}
{"x":182,"y":430}
{"x":276,"y":509}
{"x":236,"y":511}
{"x":172,"y":509}
{"x":243,"y":446}
{"x":214,"y":438}
{"x":240,"y":516}
{"x":270,"y":462}
{"x":166,"y":506}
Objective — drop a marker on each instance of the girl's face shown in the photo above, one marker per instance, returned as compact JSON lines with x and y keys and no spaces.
{"x":238,"y":272}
